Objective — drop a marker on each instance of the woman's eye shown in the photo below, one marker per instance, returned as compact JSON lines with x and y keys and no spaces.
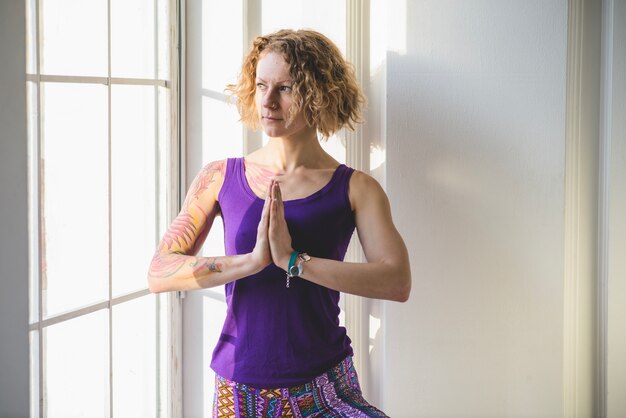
{"x":260,"y":86}
{"x":285,"y":88}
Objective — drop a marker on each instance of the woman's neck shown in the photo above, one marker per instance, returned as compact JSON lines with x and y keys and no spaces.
{"x":287,"y":154}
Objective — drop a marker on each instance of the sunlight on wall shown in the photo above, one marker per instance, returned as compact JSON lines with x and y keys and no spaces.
{"x":397,"y":34}
{"x":378,"y":35}
{"x":374,"y":327}
{"x":377,"y":157}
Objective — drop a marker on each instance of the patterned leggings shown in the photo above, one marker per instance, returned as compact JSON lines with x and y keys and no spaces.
{"x":335,"y":393}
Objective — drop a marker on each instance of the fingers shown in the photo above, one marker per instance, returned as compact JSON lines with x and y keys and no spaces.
{"x":265,"y":214}
{"x":266,"y":205}
{"x":277,"y":192}
{"x":277,"y":212}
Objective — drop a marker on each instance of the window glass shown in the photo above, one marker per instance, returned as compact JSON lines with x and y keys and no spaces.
{"x":132,"y":38}
{"x":304,"y":14}
{"x":74,"y":37}
{"x":74,"y":175}
{"x":133,"y":185}
{"x":103,"y":181}
{"x":221,"y":60}
{"x":134,"y":358}
{"x":77,"y":374}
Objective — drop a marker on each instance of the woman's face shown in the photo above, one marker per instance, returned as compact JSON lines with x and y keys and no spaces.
{"x":274,"y":97}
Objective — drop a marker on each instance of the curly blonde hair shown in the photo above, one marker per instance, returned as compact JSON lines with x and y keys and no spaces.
{"x":324,"y":83}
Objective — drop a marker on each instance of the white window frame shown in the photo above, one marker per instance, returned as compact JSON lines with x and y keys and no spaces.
{"x":357,"y":156}
{"x":171,"y":330}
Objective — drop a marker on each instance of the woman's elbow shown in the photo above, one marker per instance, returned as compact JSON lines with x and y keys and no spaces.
{"x":403,"y":288}
{"x":402,"y":294}
{"x":154,"y":284}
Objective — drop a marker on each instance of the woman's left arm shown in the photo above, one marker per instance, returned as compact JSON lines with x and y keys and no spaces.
{"x":385,"y":275}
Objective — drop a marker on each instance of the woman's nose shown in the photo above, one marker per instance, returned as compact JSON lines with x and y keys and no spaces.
{"x":269,"y":100}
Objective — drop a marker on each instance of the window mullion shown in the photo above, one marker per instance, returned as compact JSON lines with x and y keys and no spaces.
{"x":157,"y":178}
{"x":97,"y":80}
{"x":357,"y":32}
{"x":252,"y":15}
{"x":110,"y":209}
{"x":177,"y":165}
{"x":85,"y":310}
{"x":39,"y":272}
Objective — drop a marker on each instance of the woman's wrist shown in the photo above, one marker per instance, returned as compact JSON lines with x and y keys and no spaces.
{"x":253,"y":263}
{"x":283,"y":262}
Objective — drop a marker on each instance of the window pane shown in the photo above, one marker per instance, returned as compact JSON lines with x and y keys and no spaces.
{"x":221,"y":61}
{"x":74,"y":34}
{"x":221,"y":130}
{"x":77,"y":373}
{"x":134,"y":358}
{"x":166,"y":164}
{"x":34,"y":372}
{"x":31,"y":37}
{"x":297,"y":14}
{"x":163,"y":49}
{"x":133,"y":185}
{"x":132,"y":38}
{"x":75,"y":195}
{"x":336,"y":146}
{"x":33,"y":197}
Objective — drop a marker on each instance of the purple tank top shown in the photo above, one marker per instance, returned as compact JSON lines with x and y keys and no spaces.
{"x":275,"y":336}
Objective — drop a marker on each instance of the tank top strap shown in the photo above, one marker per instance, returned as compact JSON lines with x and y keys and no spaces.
{"x":232,"y":177}
{"x":341,"y":181}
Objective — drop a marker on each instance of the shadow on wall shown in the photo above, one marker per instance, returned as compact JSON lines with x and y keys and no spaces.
{"x":475,"y":115}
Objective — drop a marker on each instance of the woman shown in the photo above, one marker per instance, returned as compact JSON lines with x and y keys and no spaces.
{"x":289,"y":210}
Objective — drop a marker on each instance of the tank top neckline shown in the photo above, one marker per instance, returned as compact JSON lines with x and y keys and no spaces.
{"x":241,"y":173}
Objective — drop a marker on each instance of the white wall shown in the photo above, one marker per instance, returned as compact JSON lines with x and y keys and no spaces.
{"x":475,"y":172}
{"x":14,"y":400}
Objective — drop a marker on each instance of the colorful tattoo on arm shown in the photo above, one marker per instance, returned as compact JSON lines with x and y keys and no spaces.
{"x":185,"y":234}
{"x":203,"y":180}
{"x":204,"y":265}
{"x":182,"y":233}
{"x":215,"y":267}
{"x":165,"y":265}
{"x":259,"y":178}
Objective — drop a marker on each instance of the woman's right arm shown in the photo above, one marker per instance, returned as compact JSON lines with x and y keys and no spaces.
{"x":175,"y":265}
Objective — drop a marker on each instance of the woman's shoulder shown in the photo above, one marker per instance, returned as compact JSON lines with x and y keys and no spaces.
{"x":207,"y":183}
{"x":213,"y":170}
{"x":365,"y":188}
{"x":362,"y":181}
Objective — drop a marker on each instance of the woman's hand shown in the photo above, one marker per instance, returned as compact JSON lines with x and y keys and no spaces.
{"x":279,"y":237}
{"x":261,"y":255}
